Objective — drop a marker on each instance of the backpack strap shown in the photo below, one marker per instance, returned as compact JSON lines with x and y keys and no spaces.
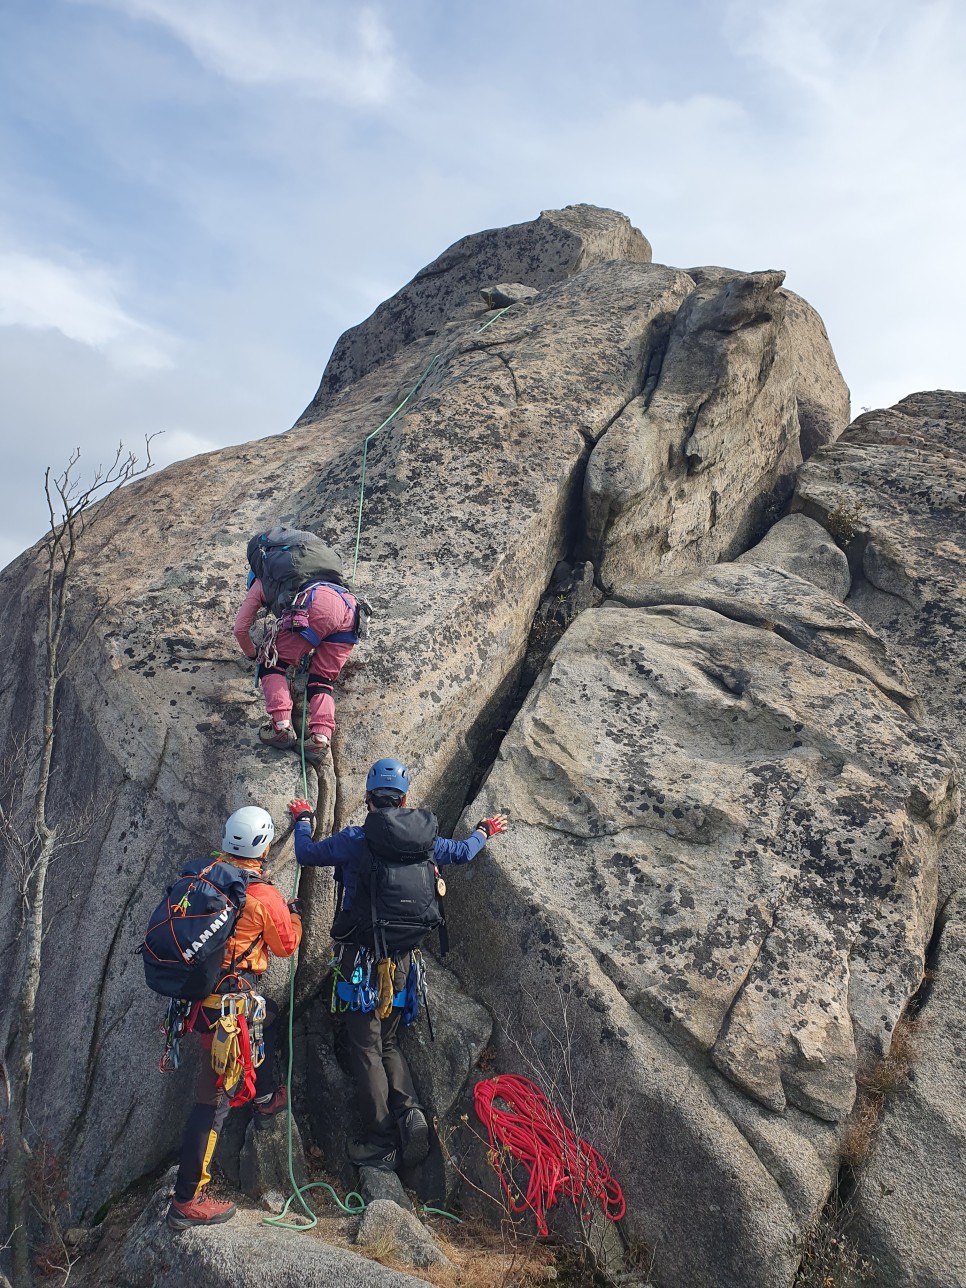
{"x":378,"y":933}
{"x":256,"y":878}
{"x":238,"y":963}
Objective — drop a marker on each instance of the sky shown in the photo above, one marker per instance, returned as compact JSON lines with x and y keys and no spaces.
{"x":198,"y":196}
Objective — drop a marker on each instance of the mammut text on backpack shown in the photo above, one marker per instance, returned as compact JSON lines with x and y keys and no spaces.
{"x":190,"y":929}
{"x":286,"y":559}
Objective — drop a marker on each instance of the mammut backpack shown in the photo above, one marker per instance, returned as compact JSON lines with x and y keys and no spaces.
{"x":285,"y":560}
{"x":191,"y":927}
{"x":395,"y":904}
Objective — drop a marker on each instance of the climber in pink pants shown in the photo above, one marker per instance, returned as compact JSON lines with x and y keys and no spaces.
{"x":328,"y":614}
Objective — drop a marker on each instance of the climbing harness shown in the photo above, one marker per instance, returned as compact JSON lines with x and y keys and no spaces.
{"x":237,"y":1042}
{"x":296,"y":620}
{"x":533,"y":1133}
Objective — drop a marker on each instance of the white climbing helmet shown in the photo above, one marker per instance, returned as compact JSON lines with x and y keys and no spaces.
{"x":248,"y":832}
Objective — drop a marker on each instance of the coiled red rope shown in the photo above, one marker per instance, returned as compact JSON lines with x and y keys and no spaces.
{"x":534,"y":1133}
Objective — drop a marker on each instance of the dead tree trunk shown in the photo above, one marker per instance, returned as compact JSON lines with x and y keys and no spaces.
{"x":31,"y":844}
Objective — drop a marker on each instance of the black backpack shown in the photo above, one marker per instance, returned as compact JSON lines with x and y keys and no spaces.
{"x":395,"y":905}
{"x":286,"y":559}
{"x":191,"y":927}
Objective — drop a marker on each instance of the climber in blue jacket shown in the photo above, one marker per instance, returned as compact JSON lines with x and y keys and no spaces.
{"x":390,"y":885}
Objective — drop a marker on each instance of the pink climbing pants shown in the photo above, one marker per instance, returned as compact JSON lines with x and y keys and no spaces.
{"x":328,"y":613}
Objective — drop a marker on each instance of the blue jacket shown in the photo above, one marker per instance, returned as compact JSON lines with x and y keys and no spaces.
{"x":345,"y":850}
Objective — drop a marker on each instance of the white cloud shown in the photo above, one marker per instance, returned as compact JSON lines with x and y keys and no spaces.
{"x":80,"y":301}
{"x":178,"y":444}
{"x":324,"y":50}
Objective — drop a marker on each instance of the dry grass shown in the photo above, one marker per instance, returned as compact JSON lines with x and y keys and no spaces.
{"x":877,"y":1080}
{"x":479,"y":1256}
{"x":829,"y":1258}
{"x":860,"y":1131}
{"x":891,"y":1072}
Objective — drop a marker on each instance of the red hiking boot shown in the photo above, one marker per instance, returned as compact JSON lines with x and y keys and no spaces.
{"x":276,"y":1104}
{"x":201,"y":1210}
{"x":316,"y":745}
{"x":278,"y":735}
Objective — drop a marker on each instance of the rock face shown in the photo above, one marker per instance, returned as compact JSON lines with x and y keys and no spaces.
{"x":665,"y":489}
{"x":803,"y":547}
{"x":730,"y":861}
{"x":911,"y":1201}
{"x":243,"y":1253}
{"x":263,"y":1160}
{"x":722,"y":872}
{"x":557,"y":245}
{"x":892,"y":493}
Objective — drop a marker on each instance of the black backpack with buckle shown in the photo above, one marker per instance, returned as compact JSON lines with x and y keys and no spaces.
{"x":395,"y":905}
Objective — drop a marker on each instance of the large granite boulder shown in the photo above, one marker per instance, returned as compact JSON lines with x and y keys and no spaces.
{"x":719,"y":889}
{"x":665,"y":491}
{"x":556,"y":245}
{"x":892,"y":493}
{"x":820,"y":391}
{"x":474,"y":496}
{"x":803,"y":547}
{"x":466,"y":515}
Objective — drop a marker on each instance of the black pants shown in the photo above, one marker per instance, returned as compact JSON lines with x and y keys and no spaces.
{"x":211,"y":1106}
{"x":384,"y":1085}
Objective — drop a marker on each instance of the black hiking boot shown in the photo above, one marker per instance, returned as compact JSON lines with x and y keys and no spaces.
{"x":414,"y":1137}
{"x":367,"y":1153}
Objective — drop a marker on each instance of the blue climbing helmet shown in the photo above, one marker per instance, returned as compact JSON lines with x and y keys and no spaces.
{"x":388,"y":775}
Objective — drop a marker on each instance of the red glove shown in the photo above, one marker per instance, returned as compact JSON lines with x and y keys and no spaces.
{"x":492,"y":826}
{"x":300,"y":809}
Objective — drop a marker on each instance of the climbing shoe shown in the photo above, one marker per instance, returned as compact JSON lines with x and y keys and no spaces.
{"x":316,"y":745}
{"x":201,"y":1210}
{"x":275,"y":1104}
{"x":414,"y":1137}
{"x":277,"y":735}
{"x":366,"y":1153}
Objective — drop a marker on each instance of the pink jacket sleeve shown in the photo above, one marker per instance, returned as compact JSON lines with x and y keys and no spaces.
{"x":245,"y":618}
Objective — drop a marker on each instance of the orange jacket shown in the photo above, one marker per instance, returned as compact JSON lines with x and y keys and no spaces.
{"x":265,"y":924}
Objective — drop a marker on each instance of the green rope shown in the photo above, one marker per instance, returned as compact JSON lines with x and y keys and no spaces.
{"x":365,"y":454}
{"x":431,"y":1211}
{"x":354,"y":1202}
{"x":389,"y":419}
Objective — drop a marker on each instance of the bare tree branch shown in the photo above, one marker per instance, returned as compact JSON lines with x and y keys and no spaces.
{"x":29,"y":837}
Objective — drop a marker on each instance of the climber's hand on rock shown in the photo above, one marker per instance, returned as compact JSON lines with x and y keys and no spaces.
{"x":492,"y":826}
{"x":300,"y":810}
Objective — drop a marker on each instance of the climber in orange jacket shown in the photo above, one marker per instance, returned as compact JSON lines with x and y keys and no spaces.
{"x":266,"y":924}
